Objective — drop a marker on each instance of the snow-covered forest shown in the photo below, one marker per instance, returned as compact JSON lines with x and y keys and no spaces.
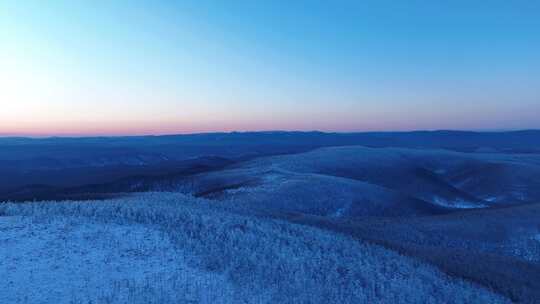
{"x":171,"y":248}
{"x":285,"y":224}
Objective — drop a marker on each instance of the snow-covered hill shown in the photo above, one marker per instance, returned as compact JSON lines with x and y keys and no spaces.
{"x":449,"y":179}
{"x":311,"y":193}
{"x":170,"y":248}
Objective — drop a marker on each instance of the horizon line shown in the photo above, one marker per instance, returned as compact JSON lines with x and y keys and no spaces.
{"x":82,"y":135}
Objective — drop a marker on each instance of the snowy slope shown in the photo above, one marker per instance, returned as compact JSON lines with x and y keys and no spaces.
{"x":450,"y":179}
{"x":110,"y":251}
{"x":317,"y":194}
{"x":71,"y":259}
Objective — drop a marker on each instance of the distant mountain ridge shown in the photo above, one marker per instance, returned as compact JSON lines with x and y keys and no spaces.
{"x":73,"y":162}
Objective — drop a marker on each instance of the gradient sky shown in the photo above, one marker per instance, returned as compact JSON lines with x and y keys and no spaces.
{"x":151,"y":67}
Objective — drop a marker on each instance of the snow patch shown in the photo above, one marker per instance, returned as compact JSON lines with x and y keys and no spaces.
{"x":459,"y":203}
{"x":66,"y":260}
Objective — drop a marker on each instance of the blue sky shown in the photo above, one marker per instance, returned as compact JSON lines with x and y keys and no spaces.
{"x":154,"y":67}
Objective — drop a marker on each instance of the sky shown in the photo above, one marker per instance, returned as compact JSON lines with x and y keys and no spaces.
{"x":118,"y":67}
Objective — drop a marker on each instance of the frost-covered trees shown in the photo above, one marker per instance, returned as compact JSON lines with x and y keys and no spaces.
{"x":263,"y":260}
